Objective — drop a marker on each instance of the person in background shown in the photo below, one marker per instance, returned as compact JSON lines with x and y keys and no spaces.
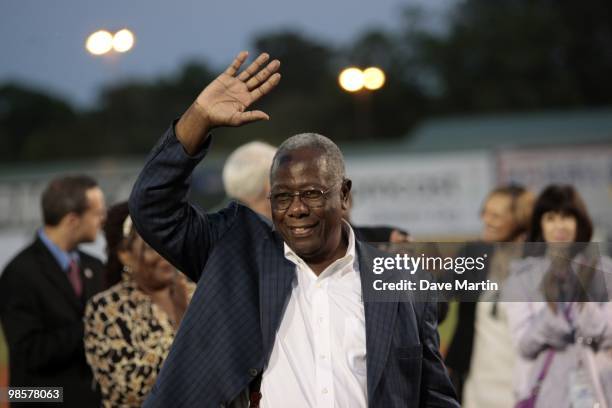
{"x":564,"y":315}
{"x":481,"y":343}
{"x":486,"y":385}
{"x":44,"y":289}
{"x":246,"y":176}
{"x":129,"y":328}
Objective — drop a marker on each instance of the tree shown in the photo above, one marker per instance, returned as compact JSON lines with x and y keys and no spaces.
{"x":24,"y":115}
{"x":522,"y":55}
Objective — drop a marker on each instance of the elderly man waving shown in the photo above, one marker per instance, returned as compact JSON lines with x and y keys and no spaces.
{"x":278,"y":314}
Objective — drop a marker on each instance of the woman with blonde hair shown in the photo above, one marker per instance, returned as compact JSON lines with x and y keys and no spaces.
{"x":505,"y":216}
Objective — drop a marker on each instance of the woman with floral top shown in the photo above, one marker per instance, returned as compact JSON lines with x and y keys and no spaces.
{"x":129,"y":328}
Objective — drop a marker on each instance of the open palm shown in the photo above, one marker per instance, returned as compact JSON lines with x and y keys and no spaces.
{"x":225,"y":100}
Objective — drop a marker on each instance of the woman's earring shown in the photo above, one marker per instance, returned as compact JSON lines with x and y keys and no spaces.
{"x":127,"y":269}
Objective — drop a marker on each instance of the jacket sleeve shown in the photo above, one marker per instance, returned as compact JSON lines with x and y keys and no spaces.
{"x":436,"y":387}
{"x":535,"y":329}
{"x":162,"y":214}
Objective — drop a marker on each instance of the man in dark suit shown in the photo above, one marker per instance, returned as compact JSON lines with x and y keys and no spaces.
{"x":288,"y":303}
{"x":43,"y":291}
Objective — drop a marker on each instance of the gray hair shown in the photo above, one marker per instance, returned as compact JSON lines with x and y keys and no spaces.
{"x":246,"y":170}
{"x":331,"y":156}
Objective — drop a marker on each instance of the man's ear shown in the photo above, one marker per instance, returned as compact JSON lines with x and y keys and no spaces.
{"x":346,"y":191}
{"x":71,"y":220}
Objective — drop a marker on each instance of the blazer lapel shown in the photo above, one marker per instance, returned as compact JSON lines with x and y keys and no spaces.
{"x":58,"y":277}
{"x":275,"y":279}
{"x":379,"y":321}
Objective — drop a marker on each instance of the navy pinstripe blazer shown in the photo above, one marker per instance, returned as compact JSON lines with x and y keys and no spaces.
{"x":244,"y":281}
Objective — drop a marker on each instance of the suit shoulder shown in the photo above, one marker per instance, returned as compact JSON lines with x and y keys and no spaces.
{"x":249,"y":219}
{"x":248,"y":213}
{"x":90,"y":260}
{"x":23,"y":260}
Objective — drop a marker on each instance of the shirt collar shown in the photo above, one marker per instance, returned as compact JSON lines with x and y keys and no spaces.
{"x":339,"y":264}
{"x":62,"y":257}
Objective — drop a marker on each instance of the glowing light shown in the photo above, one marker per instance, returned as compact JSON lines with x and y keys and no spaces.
{"x":351,"y":79}
{"x":123,"y":40}
{"x":99,"y":42}
{"x":373,"y":78}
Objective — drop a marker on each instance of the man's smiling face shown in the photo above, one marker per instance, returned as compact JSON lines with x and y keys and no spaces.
{"x":312,"y":231}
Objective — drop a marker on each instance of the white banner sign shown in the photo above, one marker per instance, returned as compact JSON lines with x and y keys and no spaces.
{"x":430,"y":195}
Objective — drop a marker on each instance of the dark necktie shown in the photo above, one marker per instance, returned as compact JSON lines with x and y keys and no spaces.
{"x":74,"y":276}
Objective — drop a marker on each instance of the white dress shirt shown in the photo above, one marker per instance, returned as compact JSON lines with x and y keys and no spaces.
{"x":319,"y":354}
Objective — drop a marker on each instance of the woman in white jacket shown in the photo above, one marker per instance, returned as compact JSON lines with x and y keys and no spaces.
{"x":558,"y":309}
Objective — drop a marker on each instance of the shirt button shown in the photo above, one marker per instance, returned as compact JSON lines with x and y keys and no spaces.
{"x":253,"y":372}
{"x":322,"y":356}
{"x":325,"y":391}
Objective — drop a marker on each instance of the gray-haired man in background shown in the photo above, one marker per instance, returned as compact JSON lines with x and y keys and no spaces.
{"x":246,"y":176}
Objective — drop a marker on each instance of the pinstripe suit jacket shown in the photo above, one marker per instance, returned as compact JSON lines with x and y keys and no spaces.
{"x":244,"y":282}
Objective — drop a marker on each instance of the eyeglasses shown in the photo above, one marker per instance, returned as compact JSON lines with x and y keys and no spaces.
{"x":313,"y":198}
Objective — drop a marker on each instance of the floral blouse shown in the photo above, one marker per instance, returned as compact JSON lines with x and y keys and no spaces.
{"x":127,"y":338}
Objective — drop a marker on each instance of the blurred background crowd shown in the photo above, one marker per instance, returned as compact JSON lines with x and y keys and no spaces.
{"x":473,"y":95}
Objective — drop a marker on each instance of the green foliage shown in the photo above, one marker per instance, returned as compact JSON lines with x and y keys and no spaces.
{"x":27,"y":117}
{"x":522,"y":55}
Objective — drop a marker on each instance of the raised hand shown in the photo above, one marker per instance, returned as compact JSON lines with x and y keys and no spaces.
{"x":224,"y":101}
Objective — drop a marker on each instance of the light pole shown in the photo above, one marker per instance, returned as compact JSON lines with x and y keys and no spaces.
{"x":362,"y":83}
{"x":104,"y":44}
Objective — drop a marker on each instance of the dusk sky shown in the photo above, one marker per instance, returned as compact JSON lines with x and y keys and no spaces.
{"x":42,"y":42}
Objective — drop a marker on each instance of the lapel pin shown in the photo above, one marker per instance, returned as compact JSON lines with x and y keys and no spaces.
{"x":88,"y":273}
